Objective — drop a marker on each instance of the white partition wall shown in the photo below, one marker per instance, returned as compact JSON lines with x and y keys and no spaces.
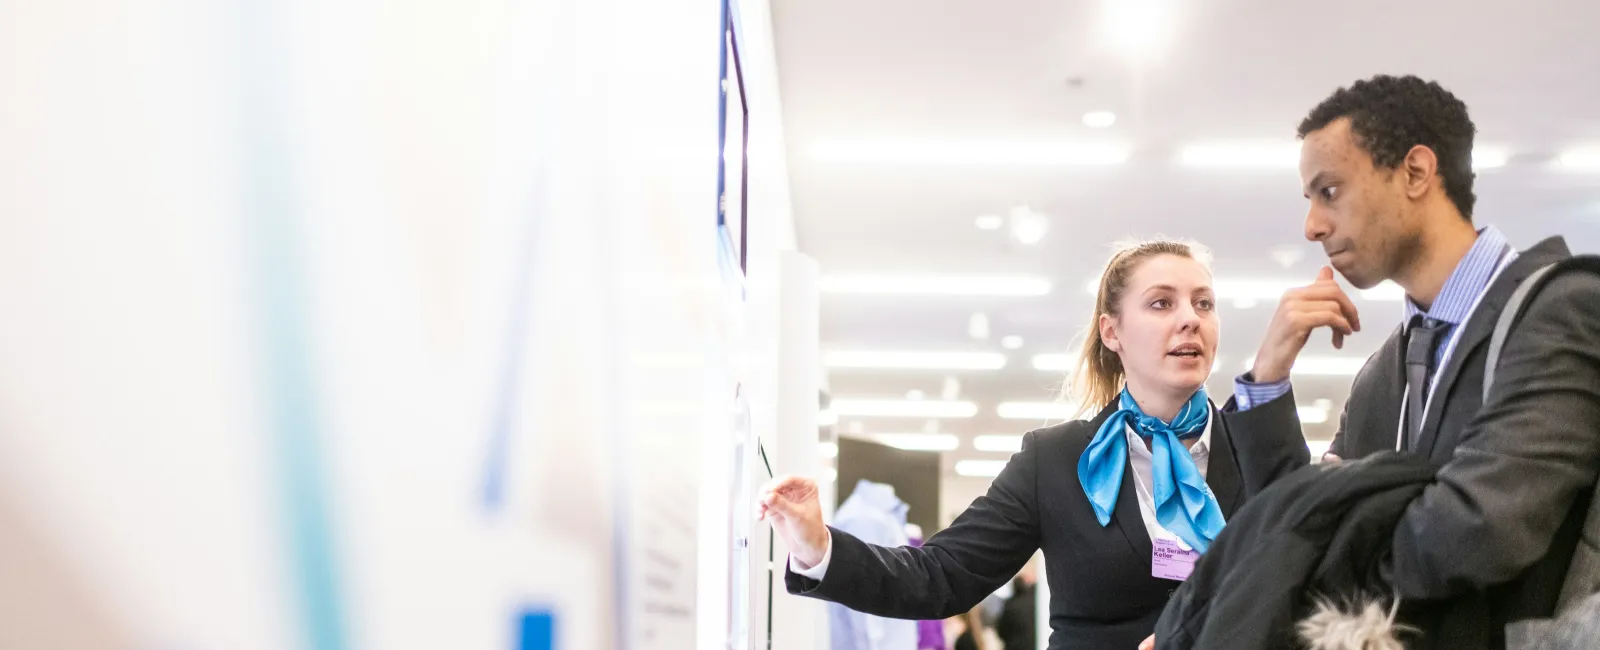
{"x":347,"y":324}
{"x":797,"y":623}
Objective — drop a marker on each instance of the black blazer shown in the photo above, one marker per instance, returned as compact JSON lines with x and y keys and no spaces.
{"x":1498,"y":527}
{"x":1101,"y":592}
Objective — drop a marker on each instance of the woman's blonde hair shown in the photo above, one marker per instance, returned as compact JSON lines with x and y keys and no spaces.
{"x":1097,"y":377}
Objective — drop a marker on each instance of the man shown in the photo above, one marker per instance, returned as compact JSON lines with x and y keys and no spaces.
{"x":1387,"y":165}
{"x":1018,"y":627}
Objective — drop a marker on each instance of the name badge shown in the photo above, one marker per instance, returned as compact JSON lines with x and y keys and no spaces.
{"x":1171,"y":561}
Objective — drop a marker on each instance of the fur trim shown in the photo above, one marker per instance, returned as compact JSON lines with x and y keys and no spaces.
{"x":1361,"y":626}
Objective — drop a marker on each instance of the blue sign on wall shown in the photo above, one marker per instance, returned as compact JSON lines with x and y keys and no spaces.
{"x":536,"y":630}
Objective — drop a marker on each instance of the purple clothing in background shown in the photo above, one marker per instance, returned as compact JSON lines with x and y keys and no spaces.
{"x":930,"y":634}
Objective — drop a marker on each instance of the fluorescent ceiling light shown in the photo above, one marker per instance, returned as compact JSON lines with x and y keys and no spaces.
{"x":913,"y":360}
{"x":980,"y":467}
{"x":1321,"y":366}
{"x":1312,"y":414}
{"x":1012,"y":342}
{"x":1099,"y":119}
{"x":937,"y":285}
{"x":1582,"y":159}
{"x":1052,"y":362}
{"x":828,"y":449}
{"x":905,"y":408}
{"x":919,"y":441}
{"x":1242,"y":155}
{"x":1489,"y":157}
{"x":1037,"y":410}
{"x":971,"y":152}
{"x":1002,"y":443}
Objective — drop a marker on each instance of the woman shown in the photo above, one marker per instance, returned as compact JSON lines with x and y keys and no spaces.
{"x":1159,"y":469}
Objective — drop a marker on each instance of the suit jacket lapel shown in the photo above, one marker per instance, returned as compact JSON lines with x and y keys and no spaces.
{"x":1222,"y":470}
{"x":1126,"y":517}
{"x":1477,"y":330}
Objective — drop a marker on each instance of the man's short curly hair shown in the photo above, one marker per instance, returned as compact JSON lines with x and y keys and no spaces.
{"x":1390,"y":115}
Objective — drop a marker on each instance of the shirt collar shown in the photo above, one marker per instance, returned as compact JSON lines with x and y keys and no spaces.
{"x":1468,"y":281}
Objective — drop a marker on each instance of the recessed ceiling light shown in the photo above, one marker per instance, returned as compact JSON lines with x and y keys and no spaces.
{"x":990,"y":222}
{"x":913,"y":360}
{"x":1037,"y":410}
{"x":1489,"y":157}
{"x":971,"y":152}
{"x":1012,"y":342}
{"x":1245,"y":303}
{"x":1099,"y":119}
{"x":978,"y":326}
{"x":828,"y":449}
{"x":830,"y":474}
{"x":1027,"y":226}
{"x":1137,"y":27}
{"x":905,"y":408}
{"x":1242,"y":155}
{"x":1582,"y":159}
{"x":936,"y":285}
{"x":1001,"y":443}
{"x":919,"y":441}
{"x":980,"y":468}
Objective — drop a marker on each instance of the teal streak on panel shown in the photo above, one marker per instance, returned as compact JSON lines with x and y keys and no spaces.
{"x":271,"y":212}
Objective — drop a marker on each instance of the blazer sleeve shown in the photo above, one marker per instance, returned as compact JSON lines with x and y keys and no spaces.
{"x":1268,"y":441}
{"x":954,"y":570}
{"x":1527,"y":456}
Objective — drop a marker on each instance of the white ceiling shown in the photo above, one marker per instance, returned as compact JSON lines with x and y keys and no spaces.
{"x":1231,"y":69}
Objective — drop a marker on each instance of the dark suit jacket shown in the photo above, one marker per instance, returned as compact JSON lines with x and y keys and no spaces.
{"x":1101,"y":592}
{"x":1497,"y":528}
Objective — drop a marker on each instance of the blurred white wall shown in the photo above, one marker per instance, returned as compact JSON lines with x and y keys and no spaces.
{"x":363,"y":325}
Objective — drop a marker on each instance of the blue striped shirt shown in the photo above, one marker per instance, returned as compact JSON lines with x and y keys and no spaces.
{"x":1469,"y":280}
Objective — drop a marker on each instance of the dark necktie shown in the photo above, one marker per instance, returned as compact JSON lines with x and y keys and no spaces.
{"x":1422,"y":339}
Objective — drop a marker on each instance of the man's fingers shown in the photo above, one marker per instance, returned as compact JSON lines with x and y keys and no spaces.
{"x":1338,"y":340}
{"x":1326,"y":318}
{"x":1312,"y":314}
{"x":1328,"y":293}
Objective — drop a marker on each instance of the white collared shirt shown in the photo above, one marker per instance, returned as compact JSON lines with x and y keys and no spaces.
{"x":1140,"y":458}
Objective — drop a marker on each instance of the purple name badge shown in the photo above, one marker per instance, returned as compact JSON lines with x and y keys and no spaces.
{"x":1170,"y":561}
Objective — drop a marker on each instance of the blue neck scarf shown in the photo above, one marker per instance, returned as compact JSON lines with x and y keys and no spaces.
{"x":1184,"y":504}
